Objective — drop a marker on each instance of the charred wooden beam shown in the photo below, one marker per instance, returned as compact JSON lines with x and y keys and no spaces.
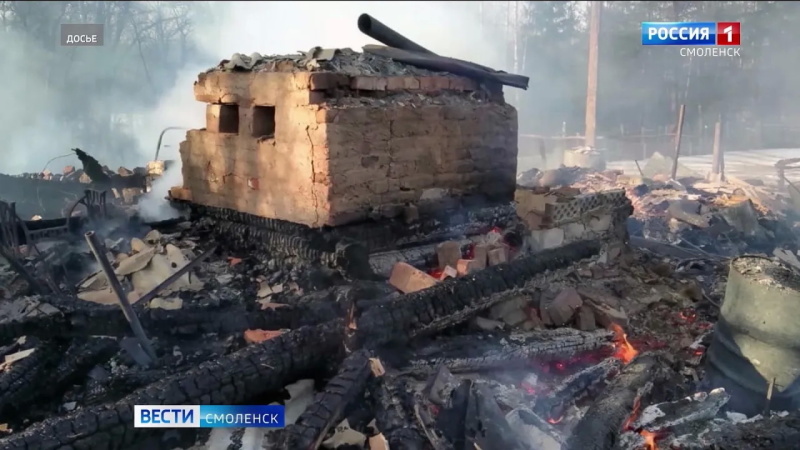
{"x":68,"y":317}
{"x":774,"y":433}
{"x":487,"y":351}
{"x":466,"y":219}
{"x":394,"y":413}
{"x":576,"y":387}
{"x":457,"y":300}
{"x":231,"y":379}
{"x":59,"y":372}
{"x":21,"y":379}
{"x":486,"y":425}
{"x":600,"y":427}
{"x":331,"y":405}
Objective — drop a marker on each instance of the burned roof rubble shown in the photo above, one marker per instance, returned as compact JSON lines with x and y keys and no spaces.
{"x":590,"y":341}
{"x":596,"y":310}
{"x":345,"y":61}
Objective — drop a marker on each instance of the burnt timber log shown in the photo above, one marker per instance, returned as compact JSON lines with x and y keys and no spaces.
{"x":487,"y":351}
{"x":20,"y":381}
{"x":71,"y":368}
{"x":457,"y":300}
{"x":293,"y":239}
{"x":256,"y":370}
{"x":576,"y":387}
{"x":773,"y":433}
{"x":394,"y":413}
{"x":73,"y":318}
{"x":331,"y":405}
{"x":600,"y":427}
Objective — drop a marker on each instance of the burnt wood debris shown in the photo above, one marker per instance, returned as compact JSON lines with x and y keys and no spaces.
{"x":433,"y":302}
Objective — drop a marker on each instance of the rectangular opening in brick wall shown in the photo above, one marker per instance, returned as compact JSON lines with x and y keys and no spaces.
{"x":222,"y":118}
{"x":263,"y":121}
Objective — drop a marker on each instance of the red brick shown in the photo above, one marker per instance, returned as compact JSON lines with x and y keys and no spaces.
{"x":180,"y":193}
{"x":322,"y":81}
{"x":468,"y":266}
{"x":395,"y":83}
{"x":406,"y":278}
{"x":498,"y":255}
{"x":366,"y":83}
{"x":448,"y":272}
{"x":434,"y":83}
{"x":480,"y":255}
{"x":448,"y":253}
{"x":462,"y":84}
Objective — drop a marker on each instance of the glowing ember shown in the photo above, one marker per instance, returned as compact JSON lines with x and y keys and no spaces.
{"x":530,"y":390}
{"x":649,"y":439}
{"x":436,"y":273}
{"x":624,"y":350}
{"x":560,"y":366}
{"x":552,"y":421}
{"x":628,"y":424}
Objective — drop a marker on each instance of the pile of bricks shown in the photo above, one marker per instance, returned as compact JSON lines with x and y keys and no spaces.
{"x":558,"y":217}
{"x":280,"y":145}
{"x":452,"y":261}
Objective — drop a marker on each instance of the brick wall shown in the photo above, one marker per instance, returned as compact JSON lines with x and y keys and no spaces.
{"x":555,"y":218}
{"x":330,"y":163}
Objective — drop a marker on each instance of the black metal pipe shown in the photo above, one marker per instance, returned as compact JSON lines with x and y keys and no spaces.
{"x":99,"y":251}
{"x":373,"y":28}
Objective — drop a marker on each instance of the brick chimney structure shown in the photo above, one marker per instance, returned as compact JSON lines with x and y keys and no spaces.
{"x":331,"y":147}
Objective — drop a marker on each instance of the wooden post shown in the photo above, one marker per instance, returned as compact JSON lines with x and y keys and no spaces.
{"x":591,"y":91}
{"x":678,"y":134}
{"x":718,"y":159}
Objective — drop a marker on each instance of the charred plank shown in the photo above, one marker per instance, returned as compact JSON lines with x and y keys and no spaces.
{"x":600,"y":427}
{"x":457,"y":300}
{"x":394,"y":413}
{"x":331,"y":405}
{"x":250,"y":372}
{"x":576,"y":387}
{"x":21,"y":380}
{"x":476,"y":352}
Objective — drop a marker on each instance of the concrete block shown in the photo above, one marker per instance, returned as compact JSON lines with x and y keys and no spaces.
{"x":600,"y":224}
{"x":545,"y":239}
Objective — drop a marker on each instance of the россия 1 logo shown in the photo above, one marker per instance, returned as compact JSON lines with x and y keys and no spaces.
{"x":691,"y":33}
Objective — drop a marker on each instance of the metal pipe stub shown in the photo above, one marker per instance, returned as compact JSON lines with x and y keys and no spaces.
{"x":756,"y":344}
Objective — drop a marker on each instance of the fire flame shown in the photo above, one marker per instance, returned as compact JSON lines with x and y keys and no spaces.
{"x":649,"y":436}
{"x":624,"y":350}
{"x":649,"y":439}
{"x":552,"y":421}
